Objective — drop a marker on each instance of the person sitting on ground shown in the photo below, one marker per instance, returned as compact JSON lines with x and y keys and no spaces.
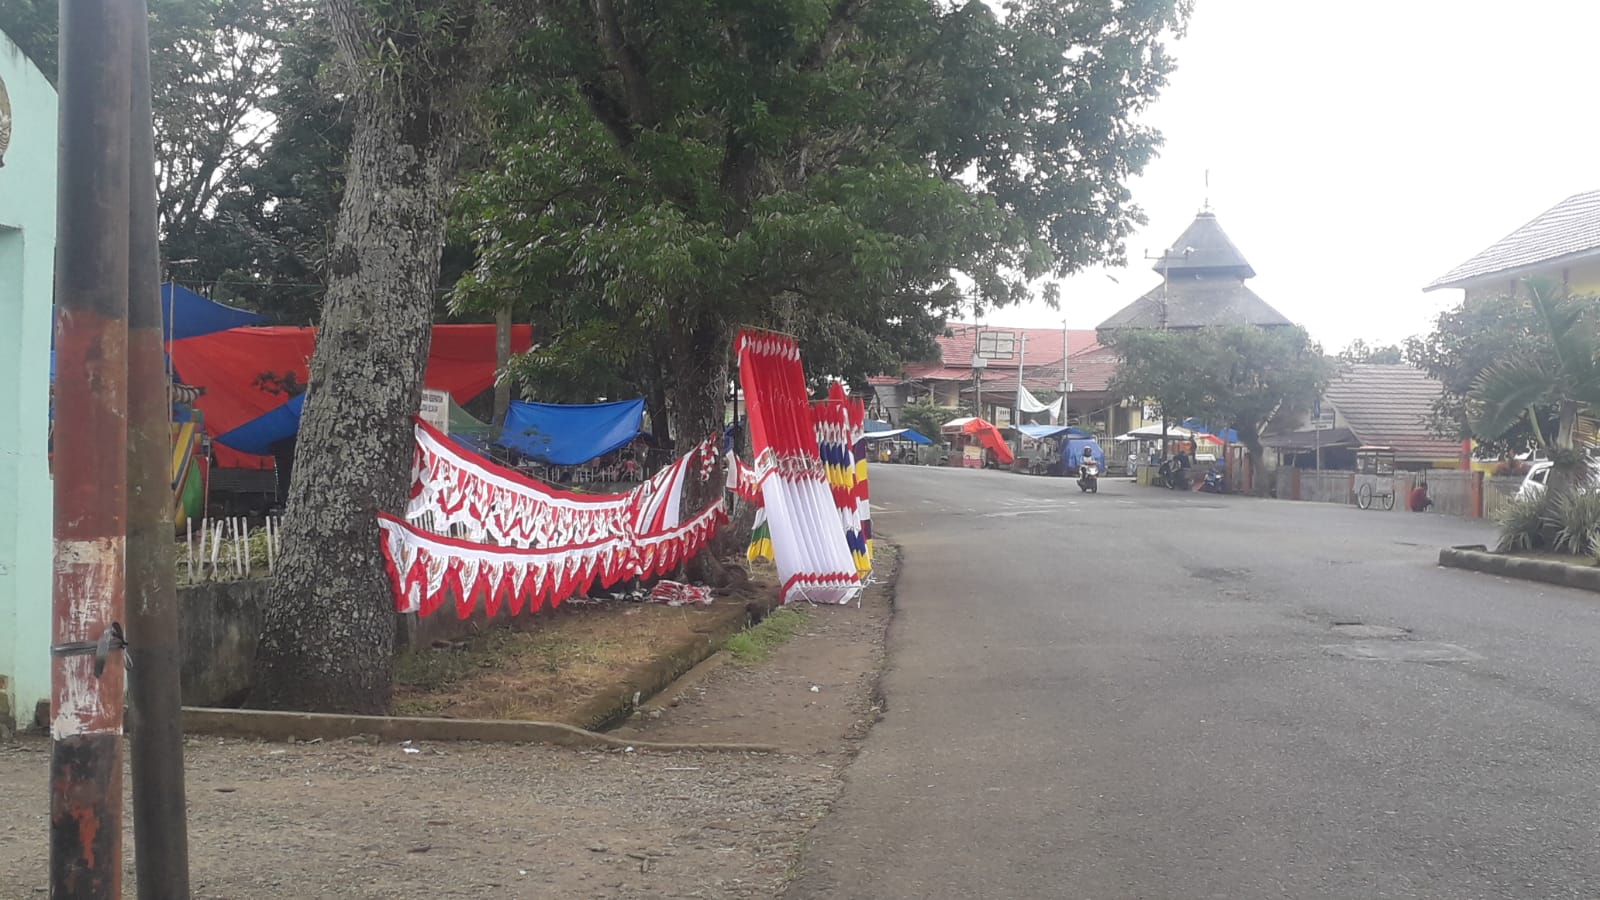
{"x":1420,"y":501}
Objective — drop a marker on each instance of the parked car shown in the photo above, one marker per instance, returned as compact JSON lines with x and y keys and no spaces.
{"x":1533,"y":483}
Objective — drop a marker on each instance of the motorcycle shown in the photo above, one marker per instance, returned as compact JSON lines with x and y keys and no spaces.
{"x":1089,"y":477}
{"x":1213,"y":483}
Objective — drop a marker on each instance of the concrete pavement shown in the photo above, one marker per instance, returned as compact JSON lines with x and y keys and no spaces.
{"x":1144,"y":694}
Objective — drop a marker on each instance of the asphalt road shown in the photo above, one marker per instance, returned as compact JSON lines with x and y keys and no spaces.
{"x":1144,"y":694}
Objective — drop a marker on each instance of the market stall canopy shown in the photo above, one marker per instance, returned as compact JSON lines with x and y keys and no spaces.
{"x":1174,"y":432}
{"x":1041,"y":432}
{"x":989,"y":436}
{"x":253,"y":378}
{"x":1228,"y":435}
{"x":958,"y":426}
{"x":570,"y":435}
{"x":904,"y":434}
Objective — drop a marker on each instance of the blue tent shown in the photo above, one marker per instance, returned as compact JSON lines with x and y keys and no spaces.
{"x":565,"y":435}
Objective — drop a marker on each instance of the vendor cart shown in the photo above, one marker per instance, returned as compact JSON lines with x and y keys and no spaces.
{"x":1375,"y":477}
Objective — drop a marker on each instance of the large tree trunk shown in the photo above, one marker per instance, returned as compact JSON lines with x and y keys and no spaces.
{"x":698,"y":398}
{"x":1569,"y":469}
{"x":1251,"y":439}
{"x":327,"y":639}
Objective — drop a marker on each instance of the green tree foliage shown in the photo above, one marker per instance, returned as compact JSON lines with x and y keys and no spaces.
{"x":1565,"y":377}
{"x":1467,"y":340}
{"x":1240,"y":376}
{"x":1359,"y":351}
{"x":924,"y":416}
{"x":1258,"y":375}
{"x":665,"y":172}
{"x":1163,"y":368}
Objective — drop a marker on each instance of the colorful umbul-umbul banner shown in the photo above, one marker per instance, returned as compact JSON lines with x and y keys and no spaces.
{"x":838,"y":424}
{"x":808,"y":543}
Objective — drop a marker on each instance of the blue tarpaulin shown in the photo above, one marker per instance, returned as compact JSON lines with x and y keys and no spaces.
{"x":904,"y":434}
{"x":185,"y":314}
{"x":259,"y":434}
{"x":565,"y":435}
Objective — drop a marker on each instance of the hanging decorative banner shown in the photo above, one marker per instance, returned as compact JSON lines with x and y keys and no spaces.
{"x":742,"y":478}
{"x":488,"y":503}
{"x":838,"y":428}
{"x":475,"y":528}
{"x":808,"y":544}
{"x":863,"y":507}
{"x":426,"y":569}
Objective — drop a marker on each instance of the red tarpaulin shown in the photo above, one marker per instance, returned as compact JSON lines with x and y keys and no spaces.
{"x":989,"y":436}
{"x":243,"y":371}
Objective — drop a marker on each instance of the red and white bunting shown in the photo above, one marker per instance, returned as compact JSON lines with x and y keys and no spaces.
{"x":426,"y":570}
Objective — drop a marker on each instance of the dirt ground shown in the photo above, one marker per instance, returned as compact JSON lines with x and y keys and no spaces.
{"x":548,"y":671}
{"x":366,"y":820}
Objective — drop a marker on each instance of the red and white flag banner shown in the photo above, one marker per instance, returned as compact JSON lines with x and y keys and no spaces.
{"x":425,"y":570}
{"x":809,"y":546}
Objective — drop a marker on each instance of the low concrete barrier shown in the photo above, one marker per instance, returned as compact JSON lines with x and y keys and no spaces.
{"x":1477,"y":558}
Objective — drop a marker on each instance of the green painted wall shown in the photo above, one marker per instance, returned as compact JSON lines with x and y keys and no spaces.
{"x":27,"y":258}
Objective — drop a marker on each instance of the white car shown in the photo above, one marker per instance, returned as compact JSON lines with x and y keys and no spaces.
{"x":1533,"y":483}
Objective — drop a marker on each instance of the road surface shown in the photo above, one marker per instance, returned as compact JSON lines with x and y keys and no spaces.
{"x":1144,"y":694}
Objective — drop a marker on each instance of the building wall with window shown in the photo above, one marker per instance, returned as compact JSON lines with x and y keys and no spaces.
{"x":27,"y":260}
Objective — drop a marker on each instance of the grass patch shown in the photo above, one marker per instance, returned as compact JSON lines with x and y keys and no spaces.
{"x":757,"y":643}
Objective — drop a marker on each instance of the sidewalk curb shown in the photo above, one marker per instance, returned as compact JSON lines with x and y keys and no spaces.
{"x":281,"y":726}
{"x":648,"y":679}
{"x":1477,"y":558}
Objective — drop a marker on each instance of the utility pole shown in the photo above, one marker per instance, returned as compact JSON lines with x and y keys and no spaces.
{"x":160,"y":829}
{"x":1066,"y":374}
{"x":91,"y":340}
{"x":1022,"y":355}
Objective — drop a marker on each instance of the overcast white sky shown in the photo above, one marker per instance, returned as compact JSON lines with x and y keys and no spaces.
{"x":1359,"y":150}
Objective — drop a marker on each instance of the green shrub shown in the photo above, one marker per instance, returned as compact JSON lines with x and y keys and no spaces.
{"x":1577,"y":524}
{"x":1522,"y":524}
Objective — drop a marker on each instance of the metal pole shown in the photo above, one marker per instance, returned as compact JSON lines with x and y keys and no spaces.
{"x":160,"y":830}
{"x":86,"y":671}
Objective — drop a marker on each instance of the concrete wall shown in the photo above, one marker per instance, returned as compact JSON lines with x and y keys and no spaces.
{"x":27,"y":258}
{"x":218,"y":626}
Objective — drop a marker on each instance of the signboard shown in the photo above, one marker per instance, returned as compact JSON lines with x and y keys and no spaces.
{"x":1322,"y":426}
{"x":997,"y":344}
{"x":436,"y":409}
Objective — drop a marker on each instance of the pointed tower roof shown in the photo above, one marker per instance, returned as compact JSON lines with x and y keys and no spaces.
{"x":1204,"y":249}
